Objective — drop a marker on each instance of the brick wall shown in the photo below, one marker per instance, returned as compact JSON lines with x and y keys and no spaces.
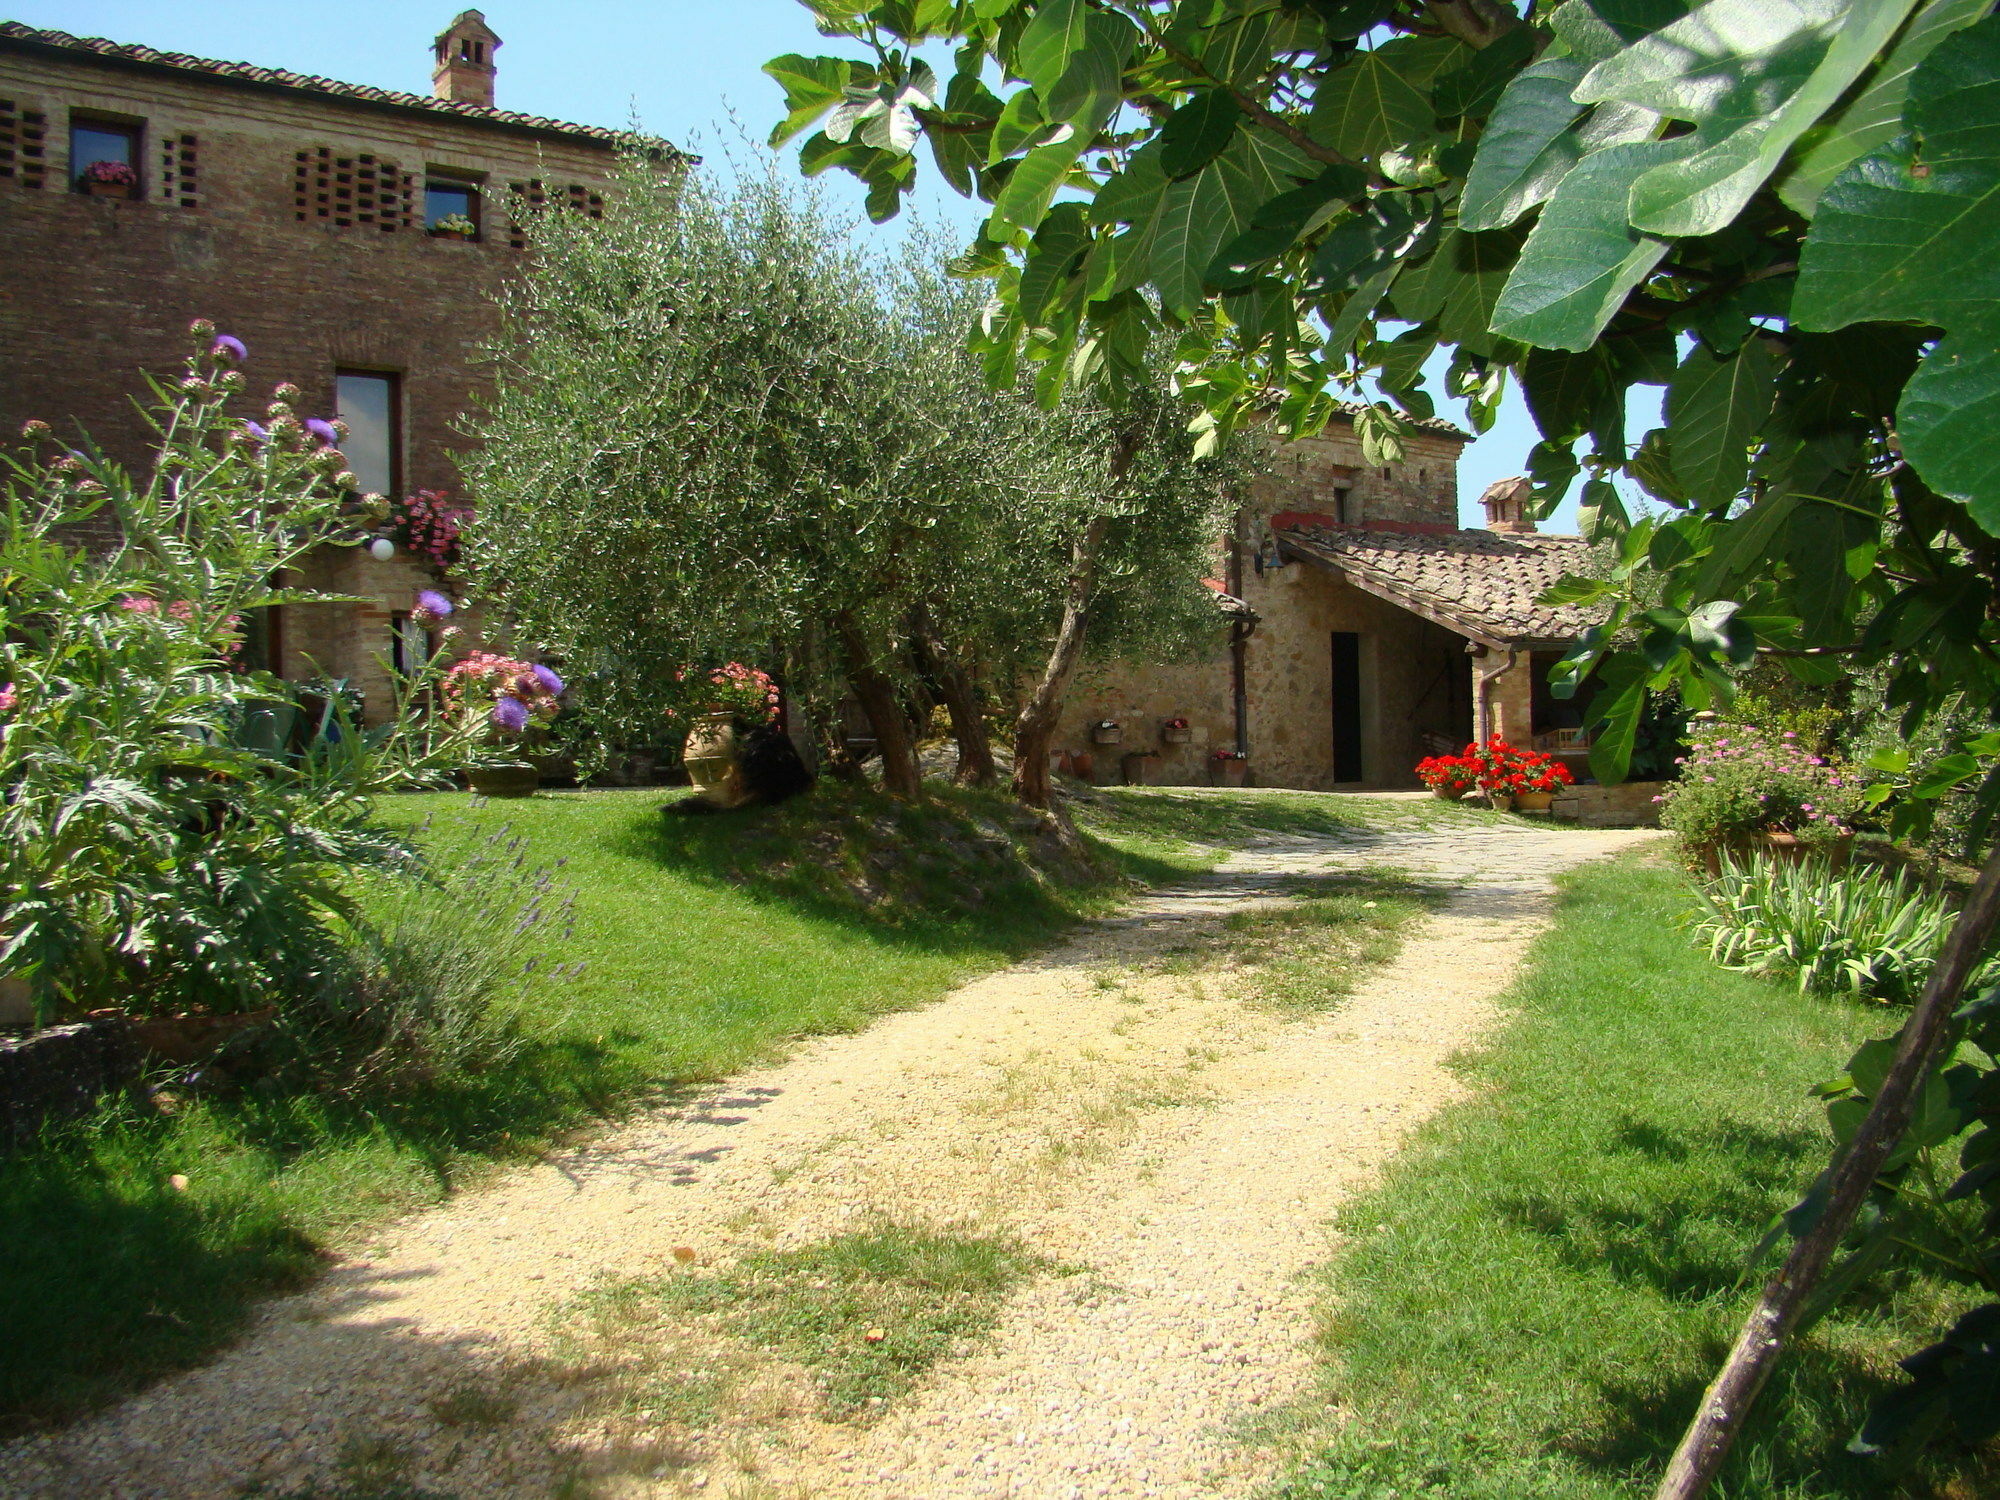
{"x":96,"y":292}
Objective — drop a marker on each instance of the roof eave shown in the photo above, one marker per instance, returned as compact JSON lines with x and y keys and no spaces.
{"x":579,"y":137}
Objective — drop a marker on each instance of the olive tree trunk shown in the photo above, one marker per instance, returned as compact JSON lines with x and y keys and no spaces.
{"x":879,"y":700}
{"x":1035,"y":729}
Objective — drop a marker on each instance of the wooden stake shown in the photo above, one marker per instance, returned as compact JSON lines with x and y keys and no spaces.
{"x":1708,"y":1438}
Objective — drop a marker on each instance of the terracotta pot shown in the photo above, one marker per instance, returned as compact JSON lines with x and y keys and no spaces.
{"x":1175,"y":734}
{"x":1112,"y":736}
{"x":710,"y":756}
{"x":1535,"y":802}
{"x":1786,"y":846}
{"x":1449,"y":791}
{"x":1227,"y":772}
{"x":107,"y":190}
{"x":1500,"y":801}
{"x":1138,"y":768}
{"x":504,"y":781}
{"x":1082,"y":764}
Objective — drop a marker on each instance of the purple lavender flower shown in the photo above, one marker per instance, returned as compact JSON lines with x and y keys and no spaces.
{"x":257,"y":430}
{"x":511,"y":714}
{"x":232,"y":347}
{"x":549,"y":680}
{"x":323,"y":430}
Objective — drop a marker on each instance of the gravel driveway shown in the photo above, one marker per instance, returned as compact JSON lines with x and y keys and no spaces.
{"x":1185,"y":1147}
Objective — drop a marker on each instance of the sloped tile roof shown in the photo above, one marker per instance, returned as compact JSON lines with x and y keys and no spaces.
{"x":277,"y":78}
{"x":1480,"y":583}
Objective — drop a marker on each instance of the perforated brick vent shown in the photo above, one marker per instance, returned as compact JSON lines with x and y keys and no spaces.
{"x":533,"y":196}
{"x":347,"y":191}
{"x":23,"y":145}
{"x":180,"y":182}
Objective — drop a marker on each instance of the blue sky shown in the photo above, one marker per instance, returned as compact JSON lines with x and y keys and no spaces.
{"x":678,"y":66}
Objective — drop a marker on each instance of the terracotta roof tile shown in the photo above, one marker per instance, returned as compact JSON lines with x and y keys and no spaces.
{"x":236,"y":72}
{"x":1482,"y":583}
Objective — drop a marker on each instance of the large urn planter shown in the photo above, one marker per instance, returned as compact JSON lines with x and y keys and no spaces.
{"x":1229,"y":772}
{"x":1788,"y":847}
{"x":713,"y":761}
{"x":1139,"y":767}
{"x":504,"y":781}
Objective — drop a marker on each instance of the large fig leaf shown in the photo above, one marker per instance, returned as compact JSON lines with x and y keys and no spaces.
{"x":1907,"y":234}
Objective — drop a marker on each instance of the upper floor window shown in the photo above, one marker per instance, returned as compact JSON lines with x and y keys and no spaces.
{"x":369,"y":403}
{"x":104,"y":158}
{"x":451,"y":207}
{"x":1343,"y":509}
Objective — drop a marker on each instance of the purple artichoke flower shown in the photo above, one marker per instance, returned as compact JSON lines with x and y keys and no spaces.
{"x":549,"y":680}
{"x":231,"y":347}
{"x":257,"y":430}
{"x":510,"y":714}
{"x":323,"y":430}
{"x":431,"y":607}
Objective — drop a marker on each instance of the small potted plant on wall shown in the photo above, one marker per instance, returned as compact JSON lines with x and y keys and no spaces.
{"x":1175,"y":731}
{"x":109,"y":179}
{"x":454,"y":227}
{"x":1107,"y":732}
{"x":1228,"y":768}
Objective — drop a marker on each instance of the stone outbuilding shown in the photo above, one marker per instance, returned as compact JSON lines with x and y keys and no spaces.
{"x":1362,"y":629}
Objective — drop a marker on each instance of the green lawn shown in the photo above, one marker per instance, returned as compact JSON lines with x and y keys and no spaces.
{"x":707,"y":944}
{"x":1536,"y":1295}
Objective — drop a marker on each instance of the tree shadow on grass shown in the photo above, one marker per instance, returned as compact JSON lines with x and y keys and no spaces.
{"x":962,"y":872}
{"x":1686,"y":1243}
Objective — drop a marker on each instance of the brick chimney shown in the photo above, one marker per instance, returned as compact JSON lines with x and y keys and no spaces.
{"x":1506,"y":502}
{"x":465,"y":68}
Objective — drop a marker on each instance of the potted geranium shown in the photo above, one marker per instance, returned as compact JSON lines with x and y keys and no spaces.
{"x":1536,"y":780}
{"x":1228,"y":768}
{"x":1449,"y":777}
{"x":514,"y":698}
{"x":1175,"y":731}
{"x":109,"y":179}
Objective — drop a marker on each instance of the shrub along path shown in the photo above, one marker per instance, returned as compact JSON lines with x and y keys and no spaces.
{"x":1149,"y":1125}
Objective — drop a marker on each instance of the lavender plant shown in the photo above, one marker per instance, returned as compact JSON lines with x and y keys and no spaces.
{"x":151,"y":855}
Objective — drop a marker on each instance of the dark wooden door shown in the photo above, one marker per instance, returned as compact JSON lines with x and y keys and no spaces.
{"x":1347,"y":714}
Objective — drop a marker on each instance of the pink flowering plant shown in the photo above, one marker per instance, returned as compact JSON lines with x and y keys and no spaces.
{"x":156,"y":850}
{"x":505,"y":695}
{"x":1737,"y":782}
{"x":427,"y":524}
{"x":740,"y":691}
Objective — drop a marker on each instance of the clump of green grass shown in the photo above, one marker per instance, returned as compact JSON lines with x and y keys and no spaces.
{"x":866,"y":1313}
{"x":1310,"y":953}
{"x":1538,"y":1292}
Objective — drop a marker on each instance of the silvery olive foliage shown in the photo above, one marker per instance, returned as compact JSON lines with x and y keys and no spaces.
{"x":721,"y":432}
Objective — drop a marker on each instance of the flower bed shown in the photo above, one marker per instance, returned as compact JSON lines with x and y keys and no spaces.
{"x":1738,"y":784}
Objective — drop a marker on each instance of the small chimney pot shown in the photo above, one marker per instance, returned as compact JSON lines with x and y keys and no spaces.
{"x":465,"y":68}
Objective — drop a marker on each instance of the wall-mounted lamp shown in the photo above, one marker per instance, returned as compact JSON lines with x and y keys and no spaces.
{"x":1268,"y":558}
{"x":381,"y":549}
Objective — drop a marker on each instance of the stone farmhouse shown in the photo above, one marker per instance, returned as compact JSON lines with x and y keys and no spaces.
{"x":354,"y":238}
{"x":1365,"y":631}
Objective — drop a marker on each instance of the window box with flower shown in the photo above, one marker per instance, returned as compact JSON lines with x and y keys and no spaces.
{"x":1175,"y":731}
{"x":454,"y":227}
{"x":1107,"y":732}
{"x":109,"y":179}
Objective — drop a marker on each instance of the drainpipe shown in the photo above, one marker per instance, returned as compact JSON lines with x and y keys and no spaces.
{"x":1240,"y":630}
{"x":1482,"y":691}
